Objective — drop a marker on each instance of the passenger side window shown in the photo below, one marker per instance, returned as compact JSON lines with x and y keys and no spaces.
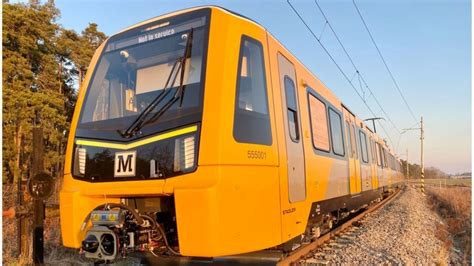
{"x":363,"y":146}
{"x":251,"y":118}
{"x":336,"y":132}
{"x":292,"y":110}
{"x":319,"y":123}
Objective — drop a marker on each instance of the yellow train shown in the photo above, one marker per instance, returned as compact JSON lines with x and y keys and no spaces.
{"x":197,"y":133}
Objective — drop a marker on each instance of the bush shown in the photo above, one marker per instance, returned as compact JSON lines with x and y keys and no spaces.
{"x":454,"y":205}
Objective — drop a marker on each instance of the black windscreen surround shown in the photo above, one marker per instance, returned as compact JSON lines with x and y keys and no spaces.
{"x":169,"y":157}
{"x":133,"y":70}
{"x":251,"y":117}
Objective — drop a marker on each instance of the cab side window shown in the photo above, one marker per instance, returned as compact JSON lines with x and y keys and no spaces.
{"x":251,"y":118}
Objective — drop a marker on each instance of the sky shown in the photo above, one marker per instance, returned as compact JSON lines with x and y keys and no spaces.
{"x":426,"y":44}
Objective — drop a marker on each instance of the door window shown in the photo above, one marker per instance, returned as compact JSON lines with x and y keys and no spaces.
{"x":291,"y":106}
{"x":353,"y":142}
{"x":349,"y":141}
{"x":363,"y":146}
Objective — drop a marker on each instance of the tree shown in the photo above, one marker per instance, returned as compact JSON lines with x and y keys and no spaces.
{"x":42,"y":64}
{"x":79,"y":49}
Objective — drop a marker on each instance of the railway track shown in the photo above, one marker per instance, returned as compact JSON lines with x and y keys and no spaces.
{"x":345,"y":232}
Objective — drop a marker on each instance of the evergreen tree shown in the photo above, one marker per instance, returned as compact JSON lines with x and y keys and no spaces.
{"x":42,"y":64}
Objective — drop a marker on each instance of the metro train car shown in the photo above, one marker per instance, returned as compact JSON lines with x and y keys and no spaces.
{"x":196,"y":133}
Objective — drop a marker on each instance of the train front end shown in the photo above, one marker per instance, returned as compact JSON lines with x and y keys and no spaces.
{"x":137,"y":125}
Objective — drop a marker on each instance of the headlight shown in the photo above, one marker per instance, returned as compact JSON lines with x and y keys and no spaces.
{"x":80,"y":156}
{"x":82,"y":153}
{"x":184,"y":154}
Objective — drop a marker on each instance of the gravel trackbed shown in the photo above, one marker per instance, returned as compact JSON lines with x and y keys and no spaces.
{"x":401,"y":233}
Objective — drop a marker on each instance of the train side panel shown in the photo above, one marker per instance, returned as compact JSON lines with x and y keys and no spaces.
{"x":241,"y":212}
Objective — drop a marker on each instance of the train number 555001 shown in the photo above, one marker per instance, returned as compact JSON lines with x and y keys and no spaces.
{"x":256,"y":154}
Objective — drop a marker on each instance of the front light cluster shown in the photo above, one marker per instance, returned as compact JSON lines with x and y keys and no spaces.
{"x":82,"y":153}
{"x":80,"y":156}
{"x":184,"y":154}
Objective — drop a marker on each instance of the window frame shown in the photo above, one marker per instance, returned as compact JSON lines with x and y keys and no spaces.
{"x":309,"y":94}
{"x":342,"y":132}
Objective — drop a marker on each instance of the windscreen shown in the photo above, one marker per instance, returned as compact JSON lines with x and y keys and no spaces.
{"x":135,"y":68}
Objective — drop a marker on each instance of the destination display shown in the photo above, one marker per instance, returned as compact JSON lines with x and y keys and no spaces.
{"x":155,"y":34}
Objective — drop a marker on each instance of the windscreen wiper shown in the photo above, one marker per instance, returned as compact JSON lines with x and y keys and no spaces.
{"x":179,"y":66}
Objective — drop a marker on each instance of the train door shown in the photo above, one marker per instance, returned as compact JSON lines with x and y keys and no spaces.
{"x":373,"y":163}
{"x":365,"y":167}
{"x":386,"y":157}
{"x":294,"y":143}
{"x":354,"y":165}
{"x":380,"y":171}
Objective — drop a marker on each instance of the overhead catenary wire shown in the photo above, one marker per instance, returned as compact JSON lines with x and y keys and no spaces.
{"x":338,"y":67}
{"x":357,"y":71}
{"x":385,"y":63}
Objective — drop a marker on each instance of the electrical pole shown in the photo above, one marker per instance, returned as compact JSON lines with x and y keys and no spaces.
{"x":40,"y":186}
{"x":422,"y":137}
